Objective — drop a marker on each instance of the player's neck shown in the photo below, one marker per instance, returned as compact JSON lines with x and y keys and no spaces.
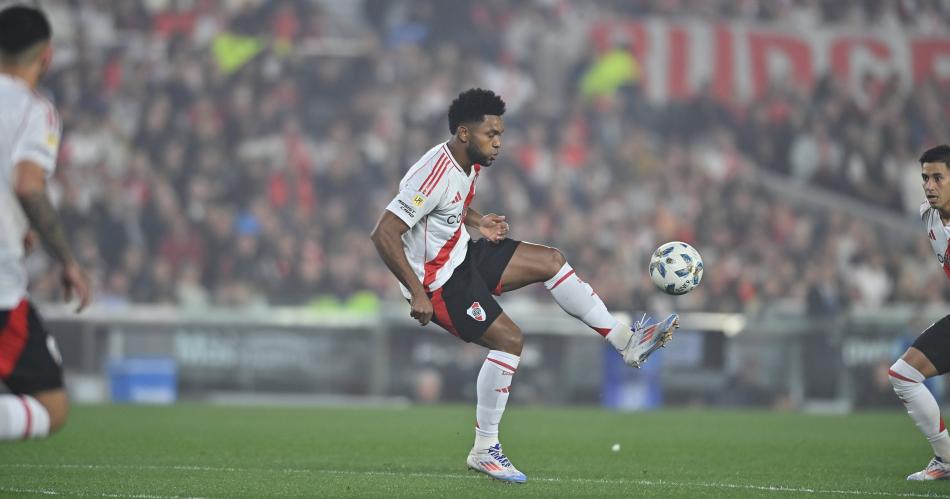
{"x":26,"y":74}
{"x":457,"y":150}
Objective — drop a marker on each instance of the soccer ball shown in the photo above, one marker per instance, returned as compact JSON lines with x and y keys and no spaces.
{"x":676,"y":268}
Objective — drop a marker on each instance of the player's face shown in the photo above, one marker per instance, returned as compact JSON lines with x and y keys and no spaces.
{"x":936,"y":179}
{"x":484,"y":140}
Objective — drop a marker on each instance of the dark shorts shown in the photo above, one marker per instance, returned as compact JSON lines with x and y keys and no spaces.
{"x":934,"y":343}
{"x":29,"y":360}
{"x":465,"y":305}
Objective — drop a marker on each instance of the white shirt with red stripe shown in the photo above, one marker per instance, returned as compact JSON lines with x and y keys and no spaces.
{"x":433,"y":200}
{"x":938,"y":233}
{"x":29,"y":131}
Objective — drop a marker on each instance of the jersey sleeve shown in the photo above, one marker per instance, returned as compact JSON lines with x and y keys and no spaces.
{"x":415,"y":200}
{"x":39,"y":141}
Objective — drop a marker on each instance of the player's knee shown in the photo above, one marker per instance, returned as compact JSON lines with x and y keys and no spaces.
{"x":57,"y":419}
{"x":57,"y":406}
{"x":556,"y":261}
{"x":510,"y":341}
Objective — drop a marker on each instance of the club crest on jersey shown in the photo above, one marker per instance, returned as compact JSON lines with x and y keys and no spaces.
{"x":418,"y":200}
{"x":476,"y":312}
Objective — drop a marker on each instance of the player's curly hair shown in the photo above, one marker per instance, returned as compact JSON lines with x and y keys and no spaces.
{"x":938,"y":154}
{"x":472,"y":105}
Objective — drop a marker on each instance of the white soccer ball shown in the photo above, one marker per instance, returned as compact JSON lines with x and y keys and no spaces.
{"x":676,"y":268}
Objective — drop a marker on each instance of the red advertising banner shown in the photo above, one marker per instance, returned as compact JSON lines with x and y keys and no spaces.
{"x":741,"y":61}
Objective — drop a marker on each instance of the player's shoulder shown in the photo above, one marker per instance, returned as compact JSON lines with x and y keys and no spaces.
{"x":43,"y":110}
{"x":428,"y":173}
{"x":432,"y":158}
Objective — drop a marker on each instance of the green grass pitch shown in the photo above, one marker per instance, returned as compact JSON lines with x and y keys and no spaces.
{"x":213,"y":451}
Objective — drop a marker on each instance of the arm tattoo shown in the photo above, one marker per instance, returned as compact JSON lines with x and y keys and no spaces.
{"x":45,"y":221}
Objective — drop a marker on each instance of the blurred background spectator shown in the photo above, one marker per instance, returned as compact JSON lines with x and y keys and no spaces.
{"x":211,"y":158}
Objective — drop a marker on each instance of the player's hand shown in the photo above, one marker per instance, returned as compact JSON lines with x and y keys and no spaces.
{"x":421,"y":308}
{"x":493,"y":227}
{"x":76,"y":281}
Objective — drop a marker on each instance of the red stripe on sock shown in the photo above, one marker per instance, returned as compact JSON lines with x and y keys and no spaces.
{"x":29,"y":418}
{"x":559,"y":281}
{"x":891,"y":373}
{"x":502,"y":364}
{"x":603,"y":331}
{"x":942,"y":426}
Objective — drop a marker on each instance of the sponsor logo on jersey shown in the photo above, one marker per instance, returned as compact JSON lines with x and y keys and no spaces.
{"x":476,"y":312}
{"x":454,"y":218}
{"x":418,"y":200}
{"x":406,"y":208}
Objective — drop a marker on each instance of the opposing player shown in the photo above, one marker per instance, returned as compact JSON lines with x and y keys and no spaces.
{"x":929,"y":356}
{"x":451,"y":279}
{"x":29,"y":142}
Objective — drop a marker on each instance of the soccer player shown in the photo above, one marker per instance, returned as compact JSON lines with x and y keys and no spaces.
{"x":29,"y":142}
{"x":929,"y":356}
{"x":450,"y":279}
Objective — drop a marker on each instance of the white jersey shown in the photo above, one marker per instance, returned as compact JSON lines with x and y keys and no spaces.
{"x":29,"y":131}
{"x":433,"y":200}
{"x":938,"y":233}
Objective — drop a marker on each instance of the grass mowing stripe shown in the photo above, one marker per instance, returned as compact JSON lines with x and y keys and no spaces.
{"x":654,"y":483}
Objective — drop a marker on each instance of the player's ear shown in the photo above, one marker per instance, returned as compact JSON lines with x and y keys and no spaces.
{"x":46,"y":57}
{"x":462,"y":134}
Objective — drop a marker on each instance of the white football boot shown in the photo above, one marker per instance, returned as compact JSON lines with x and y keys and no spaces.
{"x":647,"y":337}
{"x":492,"y":462}
{"x":936,"y":470}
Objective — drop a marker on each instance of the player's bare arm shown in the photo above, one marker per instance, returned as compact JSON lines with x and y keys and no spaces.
{"x":493,"y":227}
{"x":30,"y":188}
{"x":387,"y":237}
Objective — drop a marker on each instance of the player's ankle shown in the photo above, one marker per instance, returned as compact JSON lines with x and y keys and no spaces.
{"x":484,"y":440}
{"x":619,"y":336}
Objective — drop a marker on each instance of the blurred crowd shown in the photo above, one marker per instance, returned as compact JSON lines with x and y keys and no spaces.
{"x":238,"y":153}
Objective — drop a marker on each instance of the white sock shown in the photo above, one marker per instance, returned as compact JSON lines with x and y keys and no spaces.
{"x":493,"y":387}
{"x":22,"y":417}
{"x":921,"y":405}
{"x":578,"y":299}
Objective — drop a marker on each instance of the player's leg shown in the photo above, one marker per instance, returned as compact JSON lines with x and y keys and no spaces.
{"x":504,"y":340}
{"x":29,"y":366}
{"x":531,"y":263}
{"x":32,"y":416}
{"x":56,"y":403}
{"x":465,"y":307}
{"x":929,"y":356}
